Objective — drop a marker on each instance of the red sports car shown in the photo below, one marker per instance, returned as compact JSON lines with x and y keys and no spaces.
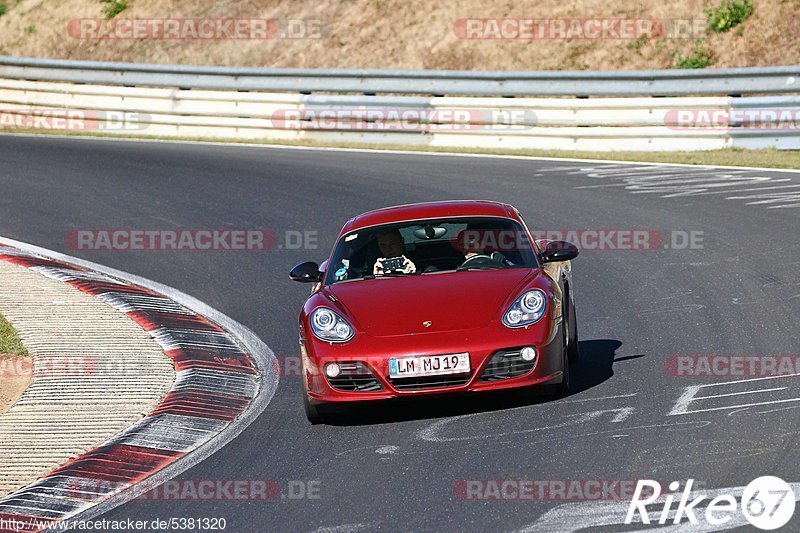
{"x":436,"y":298}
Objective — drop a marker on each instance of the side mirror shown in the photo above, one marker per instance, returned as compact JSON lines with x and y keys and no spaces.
{"x":556,"y":251}
{"x":307,"y":272}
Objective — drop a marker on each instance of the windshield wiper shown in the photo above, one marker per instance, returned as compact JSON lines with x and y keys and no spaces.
{"x":373,"y":276}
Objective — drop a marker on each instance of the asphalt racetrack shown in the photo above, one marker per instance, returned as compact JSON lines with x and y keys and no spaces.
{"x":718,"y":277}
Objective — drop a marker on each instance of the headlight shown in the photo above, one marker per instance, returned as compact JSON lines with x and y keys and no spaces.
{"x":526,"y":310}
{"x":329,"y":326}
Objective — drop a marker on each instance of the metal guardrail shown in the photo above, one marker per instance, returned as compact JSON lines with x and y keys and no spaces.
{"x":371,"y":107}
{"x":720,"y":82}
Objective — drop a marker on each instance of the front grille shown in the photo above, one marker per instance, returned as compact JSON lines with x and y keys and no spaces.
{"x":506,"y":364}
{"x":355,"y":377}
{"x":429,"y":382}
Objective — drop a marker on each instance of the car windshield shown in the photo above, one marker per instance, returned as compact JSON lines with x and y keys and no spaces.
{"x":429,"y":246}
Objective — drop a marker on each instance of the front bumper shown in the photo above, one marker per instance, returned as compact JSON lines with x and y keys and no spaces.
{"x":373,"y":354}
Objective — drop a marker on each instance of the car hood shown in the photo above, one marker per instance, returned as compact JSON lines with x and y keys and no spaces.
{"x":449,"y":301}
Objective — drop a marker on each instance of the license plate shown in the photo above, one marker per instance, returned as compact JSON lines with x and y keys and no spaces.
{"x":428,"y":365}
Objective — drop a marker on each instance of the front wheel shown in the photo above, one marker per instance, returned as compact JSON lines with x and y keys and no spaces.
{"x":313,"y":413}
{"x":563,"y":388}
{"x":573,"y":351}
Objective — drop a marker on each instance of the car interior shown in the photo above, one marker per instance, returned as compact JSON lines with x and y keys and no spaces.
{"x":433,"y":246}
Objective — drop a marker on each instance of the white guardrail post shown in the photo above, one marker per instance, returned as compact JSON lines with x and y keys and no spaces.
{"x":623,"y":110}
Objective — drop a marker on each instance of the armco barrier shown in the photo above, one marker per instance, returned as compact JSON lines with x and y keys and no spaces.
{"x":276,"y":105}
{"x":736,"y":81}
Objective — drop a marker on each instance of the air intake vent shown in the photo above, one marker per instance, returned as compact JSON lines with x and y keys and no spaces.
{"x":355,"y":377}
{"x":429,"y":382}
{"x":506,"y":364}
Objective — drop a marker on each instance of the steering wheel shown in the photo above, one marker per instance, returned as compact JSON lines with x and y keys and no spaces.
{"x":477,"y":260}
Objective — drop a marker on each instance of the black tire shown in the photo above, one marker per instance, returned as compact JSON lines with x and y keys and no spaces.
{"x":563,"y":388}
{"x":313,"y":412}
{"x":555,"y":390}
{"x":573,"y":347}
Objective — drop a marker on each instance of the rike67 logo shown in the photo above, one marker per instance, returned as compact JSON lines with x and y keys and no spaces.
{"x":767,"y":503}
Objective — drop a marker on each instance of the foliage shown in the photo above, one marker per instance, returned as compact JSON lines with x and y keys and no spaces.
{"x":729,"y":14}
{"x":112,"y":8}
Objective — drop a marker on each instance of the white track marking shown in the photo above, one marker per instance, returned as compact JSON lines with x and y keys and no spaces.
{"x":347,"y":528}
{"x":728,"y":407}
{"x":689,"y":395}
{"x":778,"y":409}
{"x":754,"y":189}
{"x":749,"y":380}
{"x":675,"y":182}
{"x":739,"y":393}
{"x":431,"y":433}
{"x":631,"y":395}
{"x":387,"y":450}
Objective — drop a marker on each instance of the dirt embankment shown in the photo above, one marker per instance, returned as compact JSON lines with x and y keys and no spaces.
{"x":407,"y":34}
{"x":12,"y":387}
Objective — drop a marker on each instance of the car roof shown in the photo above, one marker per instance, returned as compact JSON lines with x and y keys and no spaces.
{"x":451,"y":208}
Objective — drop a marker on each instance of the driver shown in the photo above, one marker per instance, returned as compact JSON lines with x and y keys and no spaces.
{"x":391,"y":245}
{"x":474,"y":244}
{"x":473,"y":247}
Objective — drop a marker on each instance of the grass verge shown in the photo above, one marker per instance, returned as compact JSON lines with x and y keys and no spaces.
{"x":15,"y":368}
{"x":10,"y":344}
{"x":736,"y":157}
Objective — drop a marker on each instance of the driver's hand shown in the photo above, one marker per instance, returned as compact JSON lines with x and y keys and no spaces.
{"x":378,"y":268}
{"x":408,"y":266}
{"x":500,"y":258}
